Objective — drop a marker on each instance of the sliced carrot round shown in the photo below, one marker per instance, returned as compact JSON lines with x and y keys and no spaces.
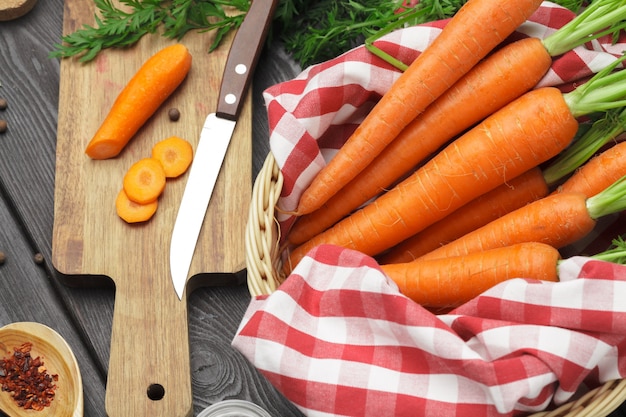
{"x":131,"y":212}
{"x":144,"y":181}
{"x":175,"y":154}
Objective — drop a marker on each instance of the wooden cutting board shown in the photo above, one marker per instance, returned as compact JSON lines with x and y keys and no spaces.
{"x":149,"y":370}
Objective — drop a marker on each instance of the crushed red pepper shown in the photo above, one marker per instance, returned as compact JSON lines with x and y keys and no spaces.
{"x":27,"y":379}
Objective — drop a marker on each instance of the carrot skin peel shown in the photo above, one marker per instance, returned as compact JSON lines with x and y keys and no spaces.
{"x":499,"y":79}
{"x":450,"y":282}
{"x":476,"y":29}
{"x":557,"y":220}
{"x":503,"y":199}
{"x":154,"y":82}
{"x":495,"y":151}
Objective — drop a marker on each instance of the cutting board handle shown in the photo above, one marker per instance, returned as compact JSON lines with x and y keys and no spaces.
{"x":149,"y":367}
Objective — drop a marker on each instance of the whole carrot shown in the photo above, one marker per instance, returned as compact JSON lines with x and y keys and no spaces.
{"x":557,"y":220}
{"x":155,"y":81}
{"x":494,"y":152}
{"x":521,"y":190}
{"x":528,"y":187}
{"x":449,"y":282}
{"x":498,"y":79}
{"x":446,"y":283}
{"x":478,"y":27}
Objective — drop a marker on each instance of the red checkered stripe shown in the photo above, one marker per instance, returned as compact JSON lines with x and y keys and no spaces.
{"x":339,"y":339}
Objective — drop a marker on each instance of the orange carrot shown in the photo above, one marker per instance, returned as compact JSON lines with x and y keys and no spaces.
{"x":600,"y":172}
{"x":449,"y":115}
{"x":155,"y":81}
{"x":526,"y":188}
{"x":518,"y":66}
{"x":175,"y":154}
{"x":471,"y":34}
{"x":520,"y":136}
{"x":494,"y":152}
{"x":144,"y":181}
{"x":450,"y":282}
{"x":132,"y":212}
{"x":503,"y":199}
{"x":557,"y":220}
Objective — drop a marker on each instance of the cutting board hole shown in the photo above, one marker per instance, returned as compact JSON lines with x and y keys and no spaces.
{"x":156,"y":392}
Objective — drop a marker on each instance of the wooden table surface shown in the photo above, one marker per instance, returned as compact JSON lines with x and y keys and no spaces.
{"x":30,"y":289}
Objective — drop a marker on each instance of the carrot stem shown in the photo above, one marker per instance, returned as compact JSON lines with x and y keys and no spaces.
{"x":615,"y":253}
{"x":598,"y":15}
{"x":602,"y":131}
{"x":605,"y":91}
{"x":611,"y":200}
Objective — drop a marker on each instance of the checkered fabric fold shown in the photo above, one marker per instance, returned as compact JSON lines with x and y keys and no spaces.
{"x":338,"y":338}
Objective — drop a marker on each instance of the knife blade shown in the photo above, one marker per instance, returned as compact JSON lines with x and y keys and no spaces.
{"x":215,"y":137}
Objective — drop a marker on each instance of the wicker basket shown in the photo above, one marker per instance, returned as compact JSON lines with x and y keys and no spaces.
{"x":264,"y":276}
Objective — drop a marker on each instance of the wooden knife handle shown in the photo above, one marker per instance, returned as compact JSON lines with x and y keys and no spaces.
{"x":243,"y":56}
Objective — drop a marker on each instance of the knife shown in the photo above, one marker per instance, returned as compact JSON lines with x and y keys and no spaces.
{"x":215,"y":138}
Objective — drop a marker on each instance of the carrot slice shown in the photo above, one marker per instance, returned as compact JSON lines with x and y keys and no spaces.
{"x":175,"y":154}
{"x":145,"y":181}
{"x":155,"y":81}
{"x":131,"y":212}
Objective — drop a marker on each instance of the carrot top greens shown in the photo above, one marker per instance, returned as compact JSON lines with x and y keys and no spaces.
{"x":610,"y":125}
{"x":311,"y":30}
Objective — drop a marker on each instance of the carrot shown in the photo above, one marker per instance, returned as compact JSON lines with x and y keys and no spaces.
{"x":521,"y":190}
{"x":524,"y":189}
{"x":155,"y":81}
{"x":175,"y":154}
{"x":519,"y":66}
{"x":144,"y":181}
{"x":450,"y":282}
{"x":446,"y":283}
{"x":495,"y":151}
{"x":132,"y":212}
{"x":477,"y":28}
{"x":597,"y":174}
{"x":557,"y":220}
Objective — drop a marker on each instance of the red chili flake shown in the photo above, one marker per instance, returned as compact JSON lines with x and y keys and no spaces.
{"x":26,"y":379}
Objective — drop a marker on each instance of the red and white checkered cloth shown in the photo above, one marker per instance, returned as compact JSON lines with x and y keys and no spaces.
{"x":337,"y":338}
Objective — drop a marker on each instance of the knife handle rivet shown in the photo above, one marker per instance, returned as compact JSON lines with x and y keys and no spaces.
{"x":230,"y":98}
{"x":241,"y":69}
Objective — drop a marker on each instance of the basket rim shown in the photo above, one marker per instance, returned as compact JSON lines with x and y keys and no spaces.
{"x":264,"y":276}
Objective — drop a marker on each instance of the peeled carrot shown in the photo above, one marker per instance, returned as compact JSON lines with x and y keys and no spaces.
{"x":518,"y":65}
{"x":155,"y":81}
{"x":478,"y":27}
{"x":175,"y":154}
{"x":144,"y":181}
{"x":452,"y":281}
{"x":557,"y":220}
{"x":132,"y":212}
{"x":521,"y":190}
{"x":492,"y":153}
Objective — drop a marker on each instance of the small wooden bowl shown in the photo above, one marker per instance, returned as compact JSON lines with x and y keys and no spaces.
{"x":12,"y":9}
{"x":58,"y":359}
